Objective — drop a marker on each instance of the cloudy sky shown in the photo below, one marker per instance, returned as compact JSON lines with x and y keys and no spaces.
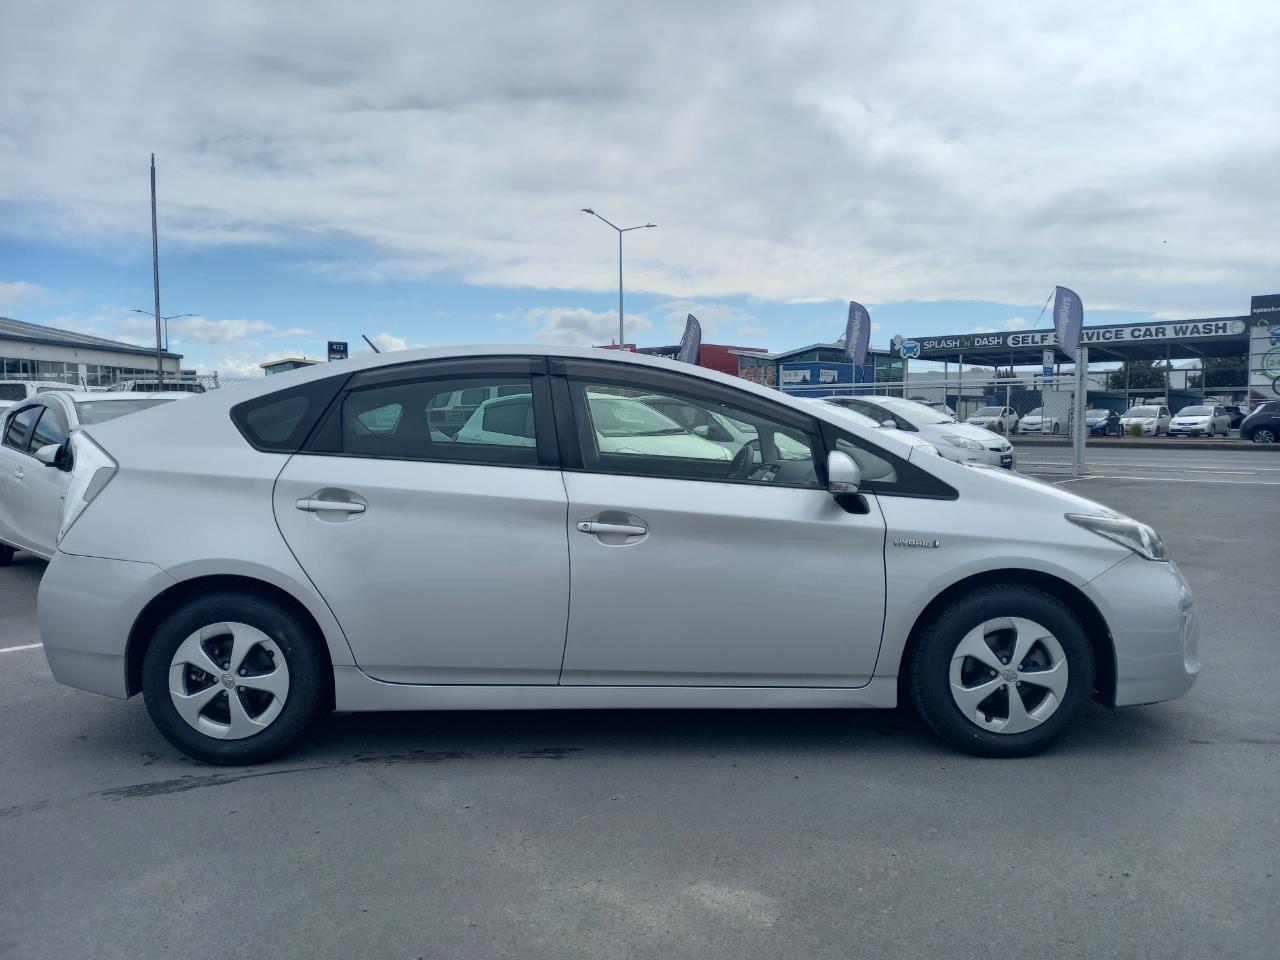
{"x":416,"y":171}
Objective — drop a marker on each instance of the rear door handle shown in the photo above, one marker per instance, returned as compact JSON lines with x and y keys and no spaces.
{"x":340,"y":506}
{"x":17,"y":473}
{"x":597,"y":528}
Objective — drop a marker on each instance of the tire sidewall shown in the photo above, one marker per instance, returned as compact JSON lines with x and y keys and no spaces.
{"x":931,"y":668}
{"x":301,"y":650}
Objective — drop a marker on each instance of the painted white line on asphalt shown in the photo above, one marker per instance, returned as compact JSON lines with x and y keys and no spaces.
{"x":25,"y":646}
{"x":1240,"y":483}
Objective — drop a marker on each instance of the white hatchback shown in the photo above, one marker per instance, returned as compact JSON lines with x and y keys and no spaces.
{"x":328,"y":565}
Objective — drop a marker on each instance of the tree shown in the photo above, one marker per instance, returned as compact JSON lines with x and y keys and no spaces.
{"x":1142,"y":375}
{"x":1220,"y":372}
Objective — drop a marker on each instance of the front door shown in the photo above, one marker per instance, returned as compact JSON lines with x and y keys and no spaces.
{"x":444,"y":558}
{"x":695,"y":565}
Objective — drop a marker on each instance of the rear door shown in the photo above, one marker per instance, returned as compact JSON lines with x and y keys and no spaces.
{"x":444,"y":559}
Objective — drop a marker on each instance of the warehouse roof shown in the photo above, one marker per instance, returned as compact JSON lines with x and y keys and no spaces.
{"x":11,"y":329}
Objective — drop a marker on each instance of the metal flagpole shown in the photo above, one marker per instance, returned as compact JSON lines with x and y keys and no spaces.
{"x":155,"y":273}
{"x":1079,"y":427}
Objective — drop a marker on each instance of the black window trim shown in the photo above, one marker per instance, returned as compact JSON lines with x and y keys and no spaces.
{"x":322,"y":442}
{"x":653,"y":380}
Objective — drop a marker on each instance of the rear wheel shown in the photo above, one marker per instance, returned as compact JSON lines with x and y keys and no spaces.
{"x":1263,"y":435}
{"x":233,"y":678}
{"x":1002,"y":671}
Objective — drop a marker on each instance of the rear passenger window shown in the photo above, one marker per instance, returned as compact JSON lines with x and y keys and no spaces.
{"x":466,"y":420}
{"x":279,"y":422}
{"x":18,"y":433}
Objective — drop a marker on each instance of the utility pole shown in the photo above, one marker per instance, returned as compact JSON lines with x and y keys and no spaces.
{"x":155,"y":274}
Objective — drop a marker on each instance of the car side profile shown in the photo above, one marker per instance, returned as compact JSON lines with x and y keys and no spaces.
{"x":1263,"y":424}
{"x":327,"y":566}
{"x":31,"y":491}
{"x":953,"y":440}
{"x":997,"y":419}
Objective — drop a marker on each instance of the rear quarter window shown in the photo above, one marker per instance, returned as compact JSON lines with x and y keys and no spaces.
{"x":280,"y":422}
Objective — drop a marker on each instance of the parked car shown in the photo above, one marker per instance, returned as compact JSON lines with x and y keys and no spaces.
{"x":1263,"y":425}
{"x":30,"y":491}
{"x":953,"y":440}
{"x":715,"y":426}
{"x":923,"y":446}
{"x":1037,"y":421}
{"x":170,"y":385}
{"x":14,"y":391}
{"x":1150,"y":420}
{"x":1237,"y":414}
{"x":1200,"y":419}
{"x":1103,"y":423}
{"x":940,"y":407}
{"x":315,"y":572}
{"x":997,"y":419}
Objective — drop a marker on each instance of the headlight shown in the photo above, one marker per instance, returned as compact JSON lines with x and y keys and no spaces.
{"x":965,"y":442}
{"x":91,"y":470}
{"x":1127,"y":532}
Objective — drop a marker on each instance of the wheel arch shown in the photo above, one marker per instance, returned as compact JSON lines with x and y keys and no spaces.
{"x":1095,"y":625}
{"x":164,"y":603}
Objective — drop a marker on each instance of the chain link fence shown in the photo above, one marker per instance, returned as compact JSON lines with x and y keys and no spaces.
{"x":1036,"y":414}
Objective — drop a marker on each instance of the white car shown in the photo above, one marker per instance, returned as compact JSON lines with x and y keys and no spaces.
{"x":31,"y":489}
{"x":1038,"y":422}
{"x":718,"y":427}
{"x":953,"y":440}
{"x":1151,"y":420}
{"x":1201,"y":420}
{"x":996,"y":419}
{"x":622,"y":425}
{"x":923,"y":446}
{"x":321,"y":567}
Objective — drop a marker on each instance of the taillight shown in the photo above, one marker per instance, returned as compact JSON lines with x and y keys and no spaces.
{"x":91,"y":470}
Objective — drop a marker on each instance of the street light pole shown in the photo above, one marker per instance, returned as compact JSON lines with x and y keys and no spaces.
{"x":176,"y":316}
{"x":155,"y":272}
{"x":621,"y":230}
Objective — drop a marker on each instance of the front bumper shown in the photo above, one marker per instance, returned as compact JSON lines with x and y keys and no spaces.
{"x":1176,"y":430}
{"x":86,"y":608}
{"x":1151,"y":613}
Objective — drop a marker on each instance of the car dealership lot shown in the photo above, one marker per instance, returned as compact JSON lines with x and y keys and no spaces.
{"x":1147,"y":832}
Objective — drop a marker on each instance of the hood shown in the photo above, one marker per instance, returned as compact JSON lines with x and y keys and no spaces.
{"x":1056,"y":497}
{"x":981,"y":434}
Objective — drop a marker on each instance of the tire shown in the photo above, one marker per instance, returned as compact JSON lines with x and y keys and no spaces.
{"x":272,"y":707}
{"x":938,"y":664}
{"x":6,"y":554}
{"x":1263,"y":435}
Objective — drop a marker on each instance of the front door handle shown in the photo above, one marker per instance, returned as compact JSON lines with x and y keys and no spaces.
{"x":340,"y":506}
{"x":17,"y":473}
{"x":597,"y":528}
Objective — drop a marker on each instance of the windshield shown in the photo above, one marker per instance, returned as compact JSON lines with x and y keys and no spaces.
{"x":1195,"y":412}
{"x":620,"y":417}
{"x":1141,"y":413}
{"x":100,"y":411}
{"x":1037,"y":412}
{"x":916,"y":413}
{"x":1096,"y":414}
{"x":858,"y":418}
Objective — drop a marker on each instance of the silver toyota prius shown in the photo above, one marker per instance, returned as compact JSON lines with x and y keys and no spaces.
{"x":380,"y":534}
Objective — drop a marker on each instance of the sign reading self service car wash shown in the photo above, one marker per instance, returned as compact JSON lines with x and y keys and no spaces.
{"x":1129,"y":333}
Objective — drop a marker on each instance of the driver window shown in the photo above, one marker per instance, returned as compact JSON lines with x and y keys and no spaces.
{"x":660,"y":433}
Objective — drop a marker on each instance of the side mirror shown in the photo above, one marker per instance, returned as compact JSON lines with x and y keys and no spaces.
{"x":714,"y":432}
{"x":843,"y":475}
{"x":53,"y":455}
{"x":890,"y":424}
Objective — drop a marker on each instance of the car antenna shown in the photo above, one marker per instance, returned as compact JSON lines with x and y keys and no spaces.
{"x":370,"y":343}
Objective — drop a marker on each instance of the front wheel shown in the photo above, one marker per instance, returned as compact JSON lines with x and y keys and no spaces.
{"x":1002,"y":671}
{"x":1263,"y":435}
{"x":233,"y":678}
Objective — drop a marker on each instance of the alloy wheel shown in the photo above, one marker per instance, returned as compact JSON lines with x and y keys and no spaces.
{"x":228,"y":681}
{"x":1008,"y":675}
{"x":1264,"y":435}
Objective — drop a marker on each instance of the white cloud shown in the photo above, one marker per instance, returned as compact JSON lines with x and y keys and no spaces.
{"x":1013,"y":323}
{"x":771,"y":169}
{"x":576,"y":326}
{"x":19,"y":293}
{"x":293,"y":332}
{"x":388,"y":342}
{"x":751,"y":333}
{"x":204,"y":330}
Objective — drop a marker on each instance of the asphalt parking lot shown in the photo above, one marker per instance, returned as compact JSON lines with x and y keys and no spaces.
{"x":1149,"y":832}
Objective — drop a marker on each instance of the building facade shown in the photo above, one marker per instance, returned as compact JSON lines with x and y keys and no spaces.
{"x":29,"y":351}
